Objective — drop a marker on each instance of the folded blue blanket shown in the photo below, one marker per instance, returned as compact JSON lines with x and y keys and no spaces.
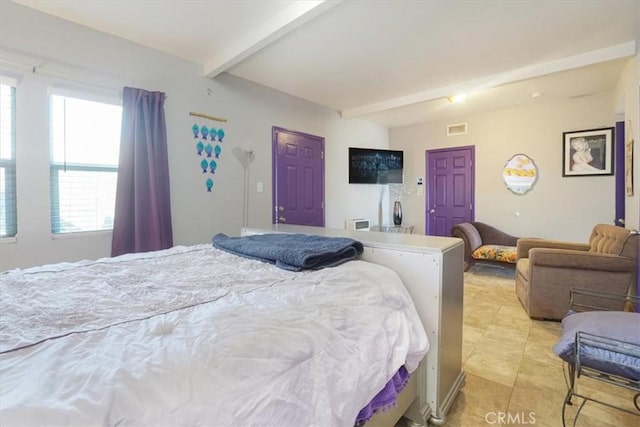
{"x":294,"y":252}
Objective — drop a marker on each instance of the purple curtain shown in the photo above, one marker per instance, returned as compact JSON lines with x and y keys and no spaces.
{"x":142,"y":220}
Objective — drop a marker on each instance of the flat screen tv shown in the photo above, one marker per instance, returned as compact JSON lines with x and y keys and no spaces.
{"x":375,"y":166}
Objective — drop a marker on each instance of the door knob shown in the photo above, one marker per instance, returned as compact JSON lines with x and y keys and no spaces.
{"x":282,"y":219}
{"x":621,"y":221}
{"x":281,"y":208}
{"x":432,"y":211}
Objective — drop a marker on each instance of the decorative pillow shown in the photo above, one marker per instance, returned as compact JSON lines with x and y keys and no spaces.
{"x":622,"y":327}
{"x":496,"y":253}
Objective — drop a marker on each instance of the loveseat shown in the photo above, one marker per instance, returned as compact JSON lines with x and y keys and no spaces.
{"x":548,"y":269}
{"x":486,"y":244}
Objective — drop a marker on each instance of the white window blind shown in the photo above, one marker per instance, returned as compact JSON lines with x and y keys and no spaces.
{"x":8,"y":218}
{"x":85,"y":143}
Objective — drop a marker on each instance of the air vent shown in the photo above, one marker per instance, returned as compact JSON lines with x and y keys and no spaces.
{"x":457,"y":129}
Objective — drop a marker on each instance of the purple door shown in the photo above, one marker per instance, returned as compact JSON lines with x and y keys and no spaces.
{"x":298,"y":178}
{"x":450,"y":189}
{"x":619,"y":171}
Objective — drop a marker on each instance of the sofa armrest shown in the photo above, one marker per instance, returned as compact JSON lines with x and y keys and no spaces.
{"x":471,"y":238}
{"x":526,"y":244}
{"x":580,"y":260}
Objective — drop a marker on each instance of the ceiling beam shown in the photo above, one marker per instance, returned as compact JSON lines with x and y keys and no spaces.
{"x":588,"y":58}
{"x":286,"y":21}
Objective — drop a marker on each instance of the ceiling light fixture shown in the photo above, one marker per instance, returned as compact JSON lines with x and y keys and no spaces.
{"x":457,"y":98}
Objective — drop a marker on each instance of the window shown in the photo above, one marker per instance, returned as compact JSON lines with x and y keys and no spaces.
{"x":85,"y":143}
{"x":8,"y":223}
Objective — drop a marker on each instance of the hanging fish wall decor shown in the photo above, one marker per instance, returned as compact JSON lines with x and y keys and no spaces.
{"x":205,"y":150}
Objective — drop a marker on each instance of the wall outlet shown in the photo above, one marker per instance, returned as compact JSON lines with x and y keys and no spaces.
{"x":260,"y":187}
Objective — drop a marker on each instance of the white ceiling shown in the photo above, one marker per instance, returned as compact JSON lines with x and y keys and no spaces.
{"x":392,"y":62}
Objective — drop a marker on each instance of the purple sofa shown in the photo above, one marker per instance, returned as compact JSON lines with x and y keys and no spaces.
{"x":485,"y":244}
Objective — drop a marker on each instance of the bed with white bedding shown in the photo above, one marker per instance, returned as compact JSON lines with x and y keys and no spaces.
{"x":196,"y":336}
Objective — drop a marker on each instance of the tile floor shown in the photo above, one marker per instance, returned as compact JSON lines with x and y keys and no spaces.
{"x":511,"y":368}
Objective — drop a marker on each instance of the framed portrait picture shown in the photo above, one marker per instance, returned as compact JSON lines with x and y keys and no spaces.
{"x":587,"y":152}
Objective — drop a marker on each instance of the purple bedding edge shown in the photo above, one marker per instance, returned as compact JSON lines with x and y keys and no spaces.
{"x":386,"y":398}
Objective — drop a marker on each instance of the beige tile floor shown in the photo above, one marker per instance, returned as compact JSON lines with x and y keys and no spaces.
{"x":511,"y":368}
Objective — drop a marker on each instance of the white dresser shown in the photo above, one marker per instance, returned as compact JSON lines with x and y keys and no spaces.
{"x":432,"y":270}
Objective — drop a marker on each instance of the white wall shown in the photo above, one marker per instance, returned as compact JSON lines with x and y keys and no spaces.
{"x":556,"y":207}
{"x":102,"y":62}
{"x":628,"y":94}
{"x":262,"y":108}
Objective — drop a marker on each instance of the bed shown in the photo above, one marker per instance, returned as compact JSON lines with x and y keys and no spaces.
{"x":197,"y":336}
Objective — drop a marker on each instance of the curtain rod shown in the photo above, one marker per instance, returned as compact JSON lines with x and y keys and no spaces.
{"x":206,"y":116}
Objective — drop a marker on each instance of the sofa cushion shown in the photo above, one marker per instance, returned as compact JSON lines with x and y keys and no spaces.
{"x":608,"y":239}
{"x":614,"y":357}
{"x":496,"y":253}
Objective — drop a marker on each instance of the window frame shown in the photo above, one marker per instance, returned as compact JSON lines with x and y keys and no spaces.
{"x":10,"y":164}
{"x":105,"y":97}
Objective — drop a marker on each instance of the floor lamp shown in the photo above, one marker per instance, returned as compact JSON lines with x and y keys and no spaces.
{"x":245,"y":157}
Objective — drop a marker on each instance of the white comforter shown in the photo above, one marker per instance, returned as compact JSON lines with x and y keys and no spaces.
{"x":198,"y":337}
